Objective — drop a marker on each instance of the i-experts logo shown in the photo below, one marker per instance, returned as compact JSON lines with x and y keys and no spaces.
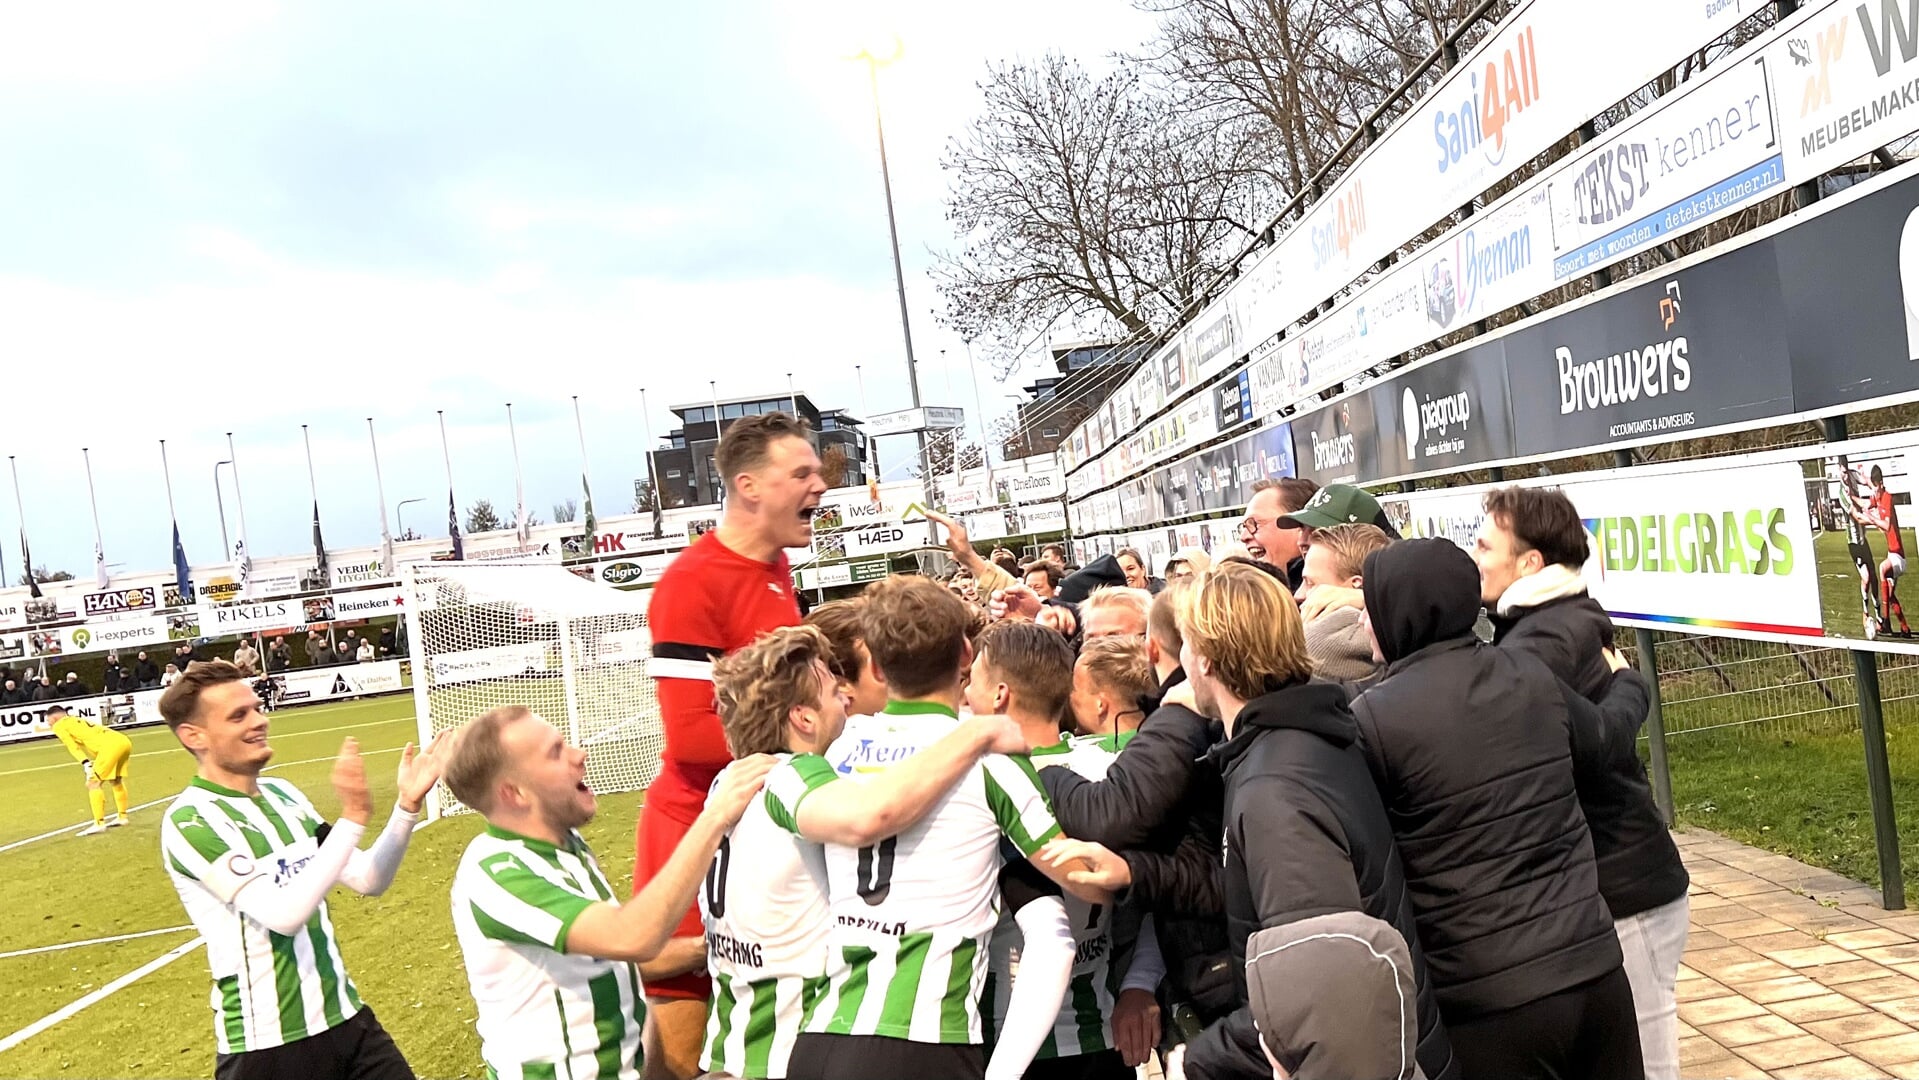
{"x":1495,"y":95}
{"x":82,"y":637}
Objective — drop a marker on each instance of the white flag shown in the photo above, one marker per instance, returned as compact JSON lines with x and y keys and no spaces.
{"x":246,"y":569}
{"x":100,"y":566}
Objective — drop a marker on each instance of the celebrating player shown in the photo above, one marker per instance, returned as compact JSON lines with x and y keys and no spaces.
{"x":103,"y":754}
{"x":726,"y":589}
{"x":764,"y":903}
{"x":1877,"y":511}
{"x":252,"y":861}
{"x":549,"y":952}
{"x":906,"y":956}
{"x":1858,"y":546}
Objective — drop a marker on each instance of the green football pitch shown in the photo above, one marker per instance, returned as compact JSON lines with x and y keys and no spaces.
{"x":61,"y":894}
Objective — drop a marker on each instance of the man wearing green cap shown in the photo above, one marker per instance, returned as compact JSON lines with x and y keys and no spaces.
{"x":1337,"y":504}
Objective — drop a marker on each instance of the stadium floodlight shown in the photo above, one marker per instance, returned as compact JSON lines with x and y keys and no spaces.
{"x":483,"y":635}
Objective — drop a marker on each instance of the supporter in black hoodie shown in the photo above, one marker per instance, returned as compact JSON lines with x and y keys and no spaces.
{"x":1306,"y":833}
{"x":1472,"y":747}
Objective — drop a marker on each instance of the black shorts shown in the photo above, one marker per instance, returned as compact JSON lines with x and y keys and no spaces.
{"x":1862,"y":556}
{"x":1104,"y":1065}
{"x":359,"y":1049}
{"x":871,"y":1057}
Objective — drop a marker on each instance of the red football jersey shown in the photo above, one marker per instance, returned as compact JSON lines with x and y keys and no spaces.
{"x":710,"y":602}
{"x":1889,"y":521}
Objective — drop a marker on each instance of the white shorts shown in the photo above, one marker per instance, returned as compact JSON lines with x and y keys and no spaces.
{"x":1895,"y":564}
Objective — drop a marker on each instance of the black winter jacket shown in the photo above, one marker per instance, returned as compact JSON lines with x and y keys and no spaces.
{"x":1159,"y":805}
{"x":1472,"y":748}
{"x":1306,"y":834}
{"x":1639,"y":866}
{"x":1567,"y":630}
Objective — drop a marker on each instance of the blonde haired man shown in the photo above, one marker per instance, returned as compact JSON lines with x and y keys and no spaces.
{"x":1305,"y":830}
{"x":1115,"y":611}
{"x":1112,"y":681}
{"x":1336,"y":636}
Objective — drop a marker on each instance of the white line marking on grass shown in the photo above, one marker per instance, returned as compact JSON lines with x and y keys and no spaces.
{"x":176,"y":750}
{"x":330,"y":757}
{"x":68,"y":1011}
{"x":94,"y":941}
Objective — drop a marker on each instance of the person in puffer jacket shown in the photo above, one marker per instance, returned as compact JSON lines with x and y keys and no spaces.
{"x":1531,"y":550}
{"x":1472,"y":749}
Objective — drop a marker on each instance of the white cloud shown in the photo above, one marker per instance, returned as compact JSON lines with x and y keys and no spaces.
{"x":120,"y":44}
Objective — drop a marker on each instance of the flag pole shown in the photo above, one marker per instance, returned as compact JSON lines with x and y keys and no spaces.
{"x":180,"y":569}
{"x":26,"y":552}
{"x":100,"y":579}
{"x":379,"y":491}
{"x":312,"y":487}
{"x":521,"y":532}
{"x":586,"y":483}
{"x":652,"y":473}
{"x":452,"y":511}
{"x":246,"y":549}
{"x":321,"y":566}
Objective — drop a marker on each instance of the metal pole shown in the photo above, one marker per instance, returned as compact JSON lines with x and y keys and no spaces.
{"x":20,"y":510}
{"x":652,"y":473}
{"x":899,"y":273}
{"x":1872,"y":730}
{"x":99,"y":550}
{"x":219,"y":500}
{"x":240,"y":506}
{"x":719,"y":485}
{"x":1647,"y":647}
{"x":400,"y":511}
{"x":379,"y":491}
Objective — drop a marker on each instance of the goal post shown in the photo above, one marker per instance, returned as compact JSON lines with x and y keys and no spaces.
{"x":483,"y":635}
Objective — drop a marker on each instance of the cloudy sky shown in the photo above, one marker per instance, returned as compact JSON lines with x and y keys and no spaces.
{"x":227,"y":216}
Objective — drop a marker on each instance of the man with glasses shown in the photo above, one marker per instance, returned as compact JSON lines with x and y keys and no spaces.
{"x":1268,"y":533}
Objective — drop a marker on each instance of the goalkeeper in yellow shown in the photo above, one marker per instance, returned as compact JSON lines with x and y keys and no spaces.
{"x":103,"y":754}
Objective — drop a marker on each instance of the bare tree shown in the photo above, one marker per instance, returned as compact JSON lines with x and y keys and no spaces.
{"x":568,"y":510}
{"x":43,"y":575}
{"x":1075,"y":198}
{"x":833,"y":463}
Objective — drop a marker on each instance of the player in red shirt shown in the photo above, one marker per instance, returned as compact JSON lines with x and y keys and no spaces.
{"x":1881,"y":514}
{"x":730,"y":586}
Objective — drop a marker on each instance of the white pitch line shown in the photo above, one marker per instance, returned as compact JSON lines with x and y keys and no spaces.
{"x":94,"y":941}
{"x":330,"y":757}
{"x":67,"y":1011}
{"x":157,"y":753}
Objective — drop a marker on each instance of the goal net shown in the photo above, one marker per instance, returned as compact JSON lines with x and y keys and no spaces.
{"x":573,"y":651}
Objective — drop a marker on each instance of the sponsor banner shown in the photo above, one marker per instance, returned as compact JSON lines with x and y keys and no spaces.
{"x":1668,"y":170}
{"x":1696,"y":349}
{"x":907,"y":421}
{"x":633,"y":541}
{"x":849,"y":573}
{"x":1042,"y":518}
{"x":1847,"y":82}
{"x":108,"y":635}
{"x":1233,"y":402}
{"x":13,"y":610}
{"x":493,"y":662}
{"x":220,"y":586}
{"x":368,"y":603}
{"x":1450,"y":413}
{"x":512,"y":551}
{"x":631,"y":573}
{"x":29,"y":721}
{"x":854,"y":507}
{"x":1718,"y":549}
{"x":882,"y":536}
{"x":118,"y":601}
{"x":306,"y":685}
{"x":358,"y":572}
{"x":1339,"y":443}
{"x":1213,"y":479}
{"x":1026,"y":487}
{"x":241,"y":618}
{"x":1851,"y":281}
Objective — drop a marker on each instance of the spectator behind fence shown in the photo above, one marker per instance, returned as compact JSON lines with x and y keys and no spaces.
{"x":389,"y":639}
{"x":367,"y":652}
{"x":111,"y":675}
{"x":319,"y":649}
{"x":1531,"y":551}
{"x":1472,"y":747}
{"x":170,"y":674}
{"x":1043,"y":577}
{"x":1336,"y":637}
{"x":1262,"y":532}
{"x":146,"y":671}
{"x":343,"y":652}
{"x":72,"y":687}
{"x":279,"y":656}
{"x":1134,"y":565}
{"x":247,"y":658}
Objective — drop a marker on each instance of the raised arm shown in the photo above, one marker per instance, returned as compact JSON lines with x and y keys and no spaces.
{"x":858,"y":813}
{"x":638,"y":930}
{"x":370,"y":872}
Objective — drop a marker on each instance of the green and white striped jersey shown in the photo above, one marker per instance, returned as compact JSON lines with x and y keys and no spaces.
{"x":906,"y":953}
{"x":268,"y":989}
{"x":764,"y":906}
{"x":543,"y":1014}
{"x":1085,"y":1015}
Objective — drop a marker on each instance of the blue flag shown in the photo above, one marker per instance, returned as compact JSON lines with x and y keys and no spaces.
{"x":453,"y":527}
{"x":180,"y":567}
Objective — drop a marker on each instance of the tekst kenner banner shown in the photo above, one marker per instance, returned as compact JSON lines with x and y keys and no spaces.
{"x":1701,"y":348}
